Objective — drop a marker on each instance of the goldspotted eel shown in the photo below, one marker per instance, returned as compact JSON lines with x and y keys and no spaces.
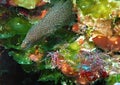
{"x":59,"y":15}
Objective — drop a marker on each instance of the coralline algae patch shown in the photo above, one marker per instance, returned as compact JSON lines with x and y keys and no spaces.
{"x":85,"y":66}
{"x":91,"y":66}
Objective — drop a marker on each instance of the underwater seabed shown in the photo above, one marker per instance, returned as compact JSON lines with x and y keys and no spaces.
{"x":11,"y":73}
{"x":37,"y":47}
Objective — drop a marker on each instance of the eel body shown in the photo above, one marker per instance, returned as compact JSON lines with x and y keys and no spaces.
{"x":59,"y":15}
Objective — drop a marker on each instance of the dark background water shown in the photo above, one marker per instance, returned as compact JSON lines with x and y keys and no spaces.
{"x":11,"y":72}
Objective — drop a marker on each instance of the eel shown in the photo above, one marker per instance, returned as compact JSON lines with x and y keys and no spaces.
{"x":59,"y":15}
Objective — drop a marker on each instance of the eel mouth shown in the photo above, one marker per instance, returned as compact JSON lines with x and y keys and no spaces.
{"x":25,"y":45}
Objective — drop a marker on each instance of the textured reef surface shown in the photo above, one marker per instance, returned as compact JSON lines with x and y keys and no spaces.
{"x":64,"y":42}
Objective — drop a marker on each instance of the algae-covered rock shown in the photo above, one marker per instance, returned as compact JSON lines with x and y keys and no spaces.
{"x":97,"y":8}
